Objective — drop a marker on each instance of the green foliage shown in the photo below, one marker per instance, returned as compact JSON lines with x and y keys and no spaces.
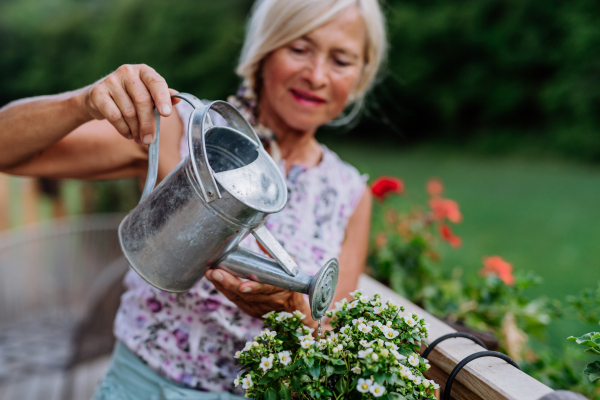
{"x":495,"y":73}
{"x":370,"y":353}
{"x":592,"y":342}
{"x":587,"y":305}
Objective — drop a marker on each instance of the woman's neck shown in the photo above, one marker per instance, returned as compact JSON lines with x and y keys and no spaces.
{"x":296,"y":147}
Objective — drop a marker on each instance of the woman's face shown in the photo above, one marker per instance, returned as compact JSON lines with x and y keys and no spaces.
{"x":306,"y":83}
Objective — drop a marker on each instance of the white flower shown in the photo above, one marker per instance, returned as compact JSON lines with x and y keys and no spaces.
{"x":236,"y":382}
{"x":266,"y":363}
{"x":237,"y":354}
{"x":356,"y":370}
{"x":391,"y":345}
{"x":339,"y":305}
{"x":247,"y":382}
{"x":357,"y":291}
{"x":364,"y":328}
{"x":410,"y":321}
{"x":390,"y":333}
{"x":410,"y":375}
{"x":435,"y":385}
{"x":306,"y":343}
{"x":364,"y":299}
{"x":377,"y":390}
{"x":340,"y":347}
{"x":269,"y":313}
{"x":248,"y":346}
{"x":333,"y":336}
{"x":364,"y":353}
{"x":358,"y":321}
{"x":416,"y":380}
{"x":284,"y":357}
{"x":364,"y":385}
{"x":364,"y":343}
{"x":413,"y":360}
{"x":375,"y":357}
{"x":378,"y":324}
{"x":283,"y":315}
{"x":379,"y":309}
{"x":371,"y":323}
{"x":427,"y":366}
{"x":398,"y":356}
{"x":426,"y":383}
{"x":299,"y":315}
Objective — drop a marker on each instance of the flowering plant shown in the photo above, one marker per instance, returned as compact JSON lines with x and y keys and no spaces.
{"x":371,"y":353}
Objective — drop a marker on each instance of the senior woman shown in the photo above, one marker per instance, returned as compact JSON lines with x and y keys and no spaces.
{"x":303,"y":63}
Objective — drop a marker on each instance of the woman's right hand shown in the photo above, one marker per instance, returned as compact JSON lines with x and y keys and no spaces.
{"x":126,"y":98}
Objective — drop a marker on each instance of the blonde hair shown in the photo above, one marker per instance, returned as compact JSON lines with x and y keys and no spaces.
{"x":274,"y":23}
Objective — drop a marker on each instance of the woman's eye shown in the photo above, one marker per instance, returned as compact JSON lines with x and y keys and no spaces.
{"x":298,"y":50}
{"x":341,"y":63}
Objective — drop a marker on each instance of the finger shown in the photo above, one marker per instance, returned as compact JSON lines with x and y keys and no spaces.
{"x":174,"y":100}
{"x":144,"y":108}
{"x":226,"y":280}
{"x":157,"y":86}
{"x":127,"y":109}
{"x":258,"y":288}
{"x":106,"y":106}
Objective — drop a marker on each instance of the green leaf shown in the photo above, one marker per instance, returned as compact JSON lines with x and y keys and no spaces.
{"x":337,"y":361}
{"x":270,"y":394}
{"x":296,"y":383}
{"x":284,"y":392}
{"x":329,"y":370}
{"x":395,"y":396}
{"x":265,"y":380}
{"x":309,"y":361}
{"x":379,"y":377}
{"x":315,"y":371}
{"x":305,"y":378}
{"x":591,"y":339}
{"x":593,"y":370}
{"x":340,"y":386}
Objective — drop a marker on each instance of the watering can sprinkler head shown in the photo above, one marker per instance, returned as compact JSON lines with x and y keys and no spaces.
{"x":196,"y":217}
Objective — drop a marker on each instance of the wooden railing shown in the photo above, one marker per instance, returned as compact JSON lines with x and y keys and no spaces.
{"x":483,"y":378}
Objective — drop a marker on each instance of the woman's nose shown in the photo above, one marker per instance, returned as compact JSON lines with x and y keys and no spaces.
{"x":316,"y":73}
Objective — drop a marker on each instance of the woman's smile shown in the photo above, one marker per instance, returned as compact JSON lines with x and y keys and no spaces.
{"x":307,"y":99}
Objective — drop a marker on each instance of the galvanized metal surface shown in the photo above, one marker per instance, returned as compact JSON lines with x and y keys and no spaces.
{"x":195,"y":219}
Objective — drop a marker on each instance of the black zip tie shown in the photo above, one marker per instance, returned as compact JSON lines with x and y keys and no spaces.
{"x":470,"y":358}
{"x":450,"y":336}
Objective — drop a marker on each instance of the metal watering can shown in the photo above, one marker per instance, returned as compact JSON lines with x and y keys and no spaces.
{"x":196,"y":217}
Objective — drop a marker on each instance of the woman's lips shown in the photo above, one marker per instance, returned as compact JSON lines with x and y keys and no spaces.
{"x":306,"y":99}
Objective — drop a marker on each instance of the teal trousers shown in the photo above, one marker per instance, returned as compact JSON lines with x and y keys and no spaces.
{"x":128,"y":378}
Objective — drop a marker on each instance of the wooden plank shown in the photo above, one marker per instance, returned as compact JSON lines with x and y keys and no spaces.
{"x":485,"y":378}
{"x":86,"y":376}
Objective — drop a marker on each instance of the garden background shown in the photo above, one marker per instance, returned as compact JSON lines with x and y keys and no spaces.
{"x":498,"y":98}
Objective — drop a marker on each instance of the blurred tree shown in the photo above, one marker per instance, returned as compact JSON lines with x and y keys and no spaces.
{"x":494,"y":74}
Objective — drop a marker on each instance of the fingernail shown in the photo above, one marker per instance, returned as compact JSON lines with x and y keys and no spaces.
{"x":217,"y":276}
{"x":166,"y":109}
{"x":247,"y":289}
{"x":147,"y":139}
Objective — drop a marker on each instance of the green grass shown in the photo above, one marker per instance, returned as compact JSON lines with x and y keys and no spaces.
{"x":541,"y":215}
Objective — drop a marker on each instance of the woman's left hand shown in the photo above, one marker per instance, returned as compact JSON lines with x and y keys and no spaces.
{"x":256,"y":299}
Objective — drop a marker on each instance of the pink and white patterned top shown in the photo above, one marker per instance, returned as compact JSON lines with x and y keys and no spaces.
{"x":191,"y":338}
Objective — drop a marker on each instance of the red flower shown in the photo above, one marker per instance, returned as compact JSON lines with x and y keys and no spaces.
{"x":445,"y":209}
{"x":495,"y":265}
{"x":447,"y":234}
{"x":384,"y":185}
{"x":435,"y":187}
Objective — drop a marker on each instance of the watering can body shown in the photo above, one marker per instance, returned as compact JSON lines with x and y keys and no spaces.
{"x":197,"y":216}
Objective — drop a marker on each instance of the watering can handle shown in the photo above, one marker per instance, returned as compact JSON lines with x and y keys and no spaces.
{"x":196,"y":127}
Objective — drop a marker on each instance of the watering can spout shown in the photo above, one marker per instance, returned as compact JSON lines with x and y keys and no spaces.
{"x":256,"y":267}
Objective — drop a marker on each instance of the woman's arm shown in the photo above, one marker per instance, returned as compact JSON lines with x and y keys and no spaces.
{"x":96,"y":151}
{"x":125,"y":98}
{"x":355,"y":246}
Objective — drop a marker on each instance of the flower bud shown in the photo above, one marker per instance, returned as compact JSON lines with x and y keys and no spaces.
{"x":380,"y":343}
{"x":385,"y":353}
{"x":375,"y":357}
{"x":388,"y":324}
{"x":335,"y":350}
{"x":255,"y":344}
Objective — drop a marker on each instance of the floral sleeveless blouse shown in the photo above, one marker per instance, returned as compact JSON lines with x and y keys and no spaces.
{"x":191,"y":338}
